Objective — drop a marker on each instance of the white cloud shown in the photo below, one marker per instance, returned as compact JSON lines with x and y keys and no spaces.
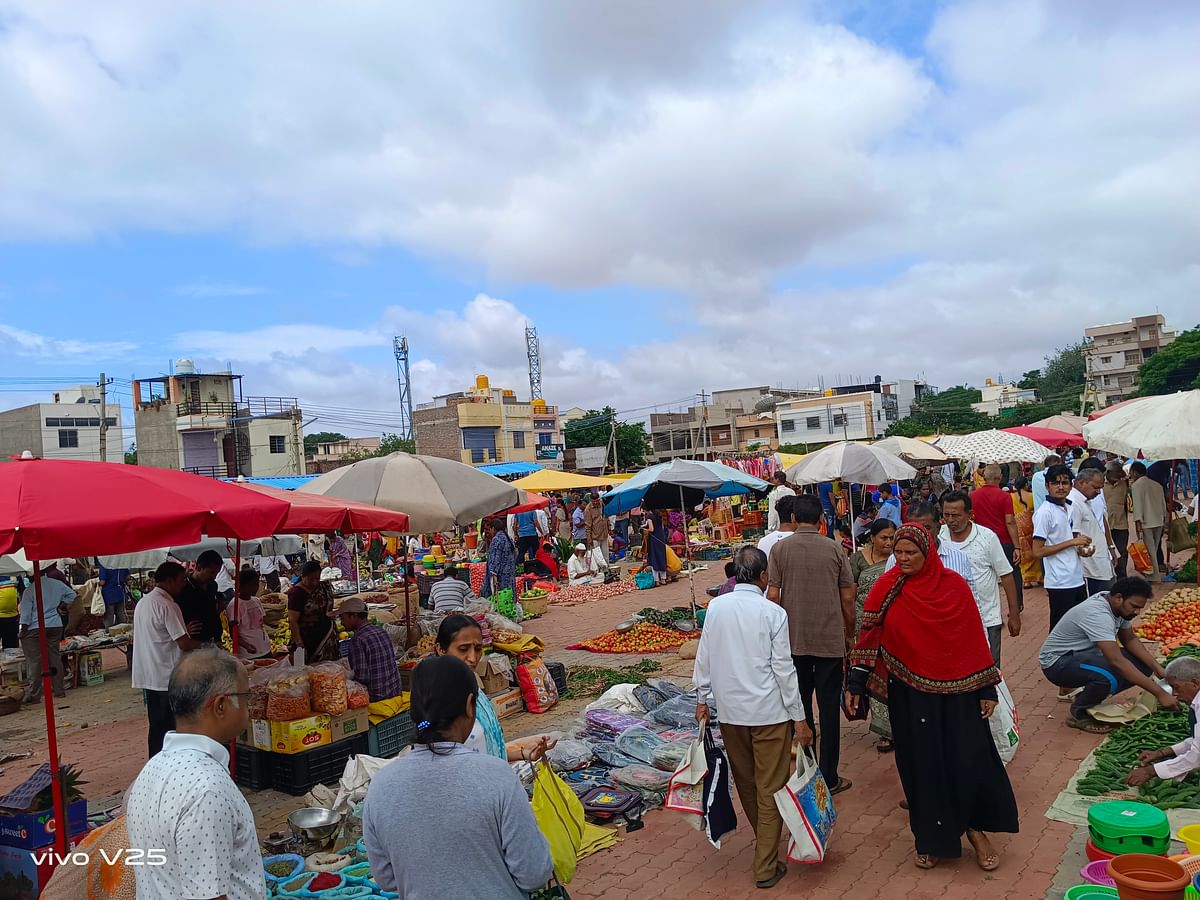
{"x":201,"y":289}
{"x":41,"y":347}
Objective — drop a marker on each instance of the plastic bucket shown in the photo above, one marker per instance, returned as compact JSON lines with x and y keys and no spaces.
{"x":1090,"y":892}
{"x":1140,"y":876}
{"x":470,"y":540}
{"x":1190,"y":835}
{"x":1097,"y":873}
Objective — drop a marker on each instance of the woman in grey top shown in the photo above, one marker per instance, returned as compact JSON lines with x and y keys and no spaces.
{"x":443,"y":810}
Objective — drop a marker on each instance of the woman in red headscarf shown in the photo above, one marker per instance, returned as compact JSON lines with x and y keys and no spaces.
{"x":922,"y":650}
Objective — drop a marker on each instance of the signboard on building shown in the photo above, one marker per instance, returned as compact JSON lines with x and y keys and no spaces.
{"x":590,"y":459}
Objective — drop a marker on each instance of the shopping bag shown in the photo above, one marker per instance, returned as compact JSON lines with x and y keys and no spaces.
{"x":1003,"y":723}
{"x":559,"y":815}
{"x":537,"y":687}
{"x":1141,"y":557}
{"x":719,"y":818}
{"x":1178,"y":536}
{"x":685,"y":793}
{"x":807,"y":809}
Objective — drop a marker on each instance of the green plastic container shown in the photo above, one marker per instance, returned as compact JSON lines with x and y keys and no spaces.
{"x":1090,"y":892}
{"x":1120,"y":827}
{"x":1190,"y":893}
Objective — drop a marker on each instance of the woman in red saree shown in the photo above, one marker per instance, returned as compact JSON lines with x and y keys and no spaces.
{"x":922,"y":649}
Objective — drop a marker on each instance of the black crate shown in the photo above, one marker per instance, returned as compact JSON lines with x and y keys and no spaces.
{"x":253,"y":768}
{"x":298,"y":773}
{"x":390,"y":736}
{"x":558,"y":672}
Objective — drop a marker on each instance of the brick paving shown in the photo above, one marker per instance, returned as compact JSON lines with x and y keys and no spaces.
{"x":871,"y":852}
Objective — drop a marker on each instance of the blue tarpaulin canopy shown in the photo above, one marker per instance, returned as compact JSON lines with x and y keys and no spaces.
{"x":283,"y":482}
{"x":509,"y":468}
{"x":712,"y":479}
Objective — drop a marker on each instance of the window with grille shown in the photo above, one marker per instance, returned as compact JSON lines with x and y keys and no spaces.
{"x":789,"y":425}
{"x":68,"y":439}
{"x":278,"y":443}
{"x":813,"y":422}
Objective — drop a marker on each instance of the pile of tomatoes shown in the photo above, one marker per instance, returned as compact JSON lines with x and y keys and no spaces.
{"x":1173,"y":625}
{"x":642,"y":638}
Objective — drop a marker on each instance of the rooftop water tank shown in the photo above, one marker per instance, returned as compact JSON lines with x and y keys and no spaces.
{"x":185,"y":366}
{"x":481,"y":382}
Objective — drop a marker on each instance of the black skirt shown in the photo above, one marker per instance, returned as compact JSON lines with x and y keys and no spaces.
{"x":952,"y":775}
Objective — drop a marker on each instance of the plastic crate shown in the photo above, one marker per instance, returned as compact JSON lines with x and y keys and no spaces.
{"x":298,"y":773}
{"x":558,"y":672}
{"x":253,"y":768}
{"x":391,"y":736}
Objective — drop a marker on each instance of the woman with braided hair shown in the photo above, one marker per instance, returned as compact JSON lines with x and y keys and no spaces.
{"x":923,"y":651}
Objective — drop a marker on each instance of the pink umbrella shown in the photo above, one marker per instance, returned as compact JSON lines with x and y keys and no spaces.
{"x":1048,"y":437}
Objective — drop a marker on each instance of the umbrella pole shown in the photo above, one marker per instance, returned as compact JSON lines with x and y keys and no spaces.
{"x":687,"y":551}
{"x":408,"y":617}
{"x":853,"y":541}
{"x":233,"y":635}
{"x":60,"y":807}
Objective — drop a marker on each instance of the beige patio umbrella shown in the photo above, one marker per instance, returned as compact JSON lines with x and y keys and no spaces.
{"x":912,"y":449}
{"x":1063,"y":422}
{"x":436,"y":493}
{"x":992,"y":446}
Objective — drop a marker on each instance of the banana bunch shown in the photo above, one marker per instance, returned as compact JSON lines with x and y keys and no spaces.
{"x":281,"y":637}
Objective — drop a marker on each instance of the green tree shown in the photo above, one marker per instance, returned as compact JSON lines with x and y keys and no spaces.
{"x":131,"y":455}
{"x":949,"y":412}
{"x":1063,"y":373}
{"x":594,"y":428}
{"x":320,"y":437}
{"x":388,"y":444}
{"x":1176,"y":367}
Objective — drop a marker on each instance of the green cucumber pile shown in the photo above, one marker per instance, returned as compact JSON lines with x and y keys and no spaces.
{"x":1117,"y":757}
{"x":1184,"y":650}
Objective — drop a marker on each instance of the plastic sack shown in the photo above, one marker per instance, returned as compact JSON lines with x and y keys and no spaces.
{"x":612,"y":722}
{"x":357,"y":696}
{"x":1003,"y":723}
{"x":1178,"y":537}
{"x":569,"y":755}
{"x":609,"y":755}
{"x":559,"y":815}
{"x":807,"y":810}
{"x":670,"y":755}
{"x":537,"y":687}
{"x":619,"y":697}
{"x":288,"y":696}
{"x":329,"y":863}
{"x":294,"y":886}
{"x":327,"y":683}
{"x":679,"y":712}
{"x":640,"y":743}
{"x":669,"y":689}
{"x":650,"y":697}
{"x":1140,"y":557}
{"x":652,"y":784}
{"x":293,"y":859}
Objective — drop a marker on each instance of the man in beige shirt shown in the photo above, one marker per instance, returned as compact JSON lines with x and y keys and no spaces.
{"x":809,"y":576}
{"x":595,"y":523}
{"x":1116,"y":504}
{"x":1149,"y":512}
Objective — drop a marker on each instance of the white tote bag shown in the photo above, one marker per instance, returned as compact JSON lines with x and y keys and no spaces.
{"x":1003,"y":723}
{"x":807,"y":809}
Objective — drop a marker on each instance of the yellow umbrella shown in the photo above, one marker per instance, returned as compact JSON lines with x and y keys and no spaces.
{"x":787,"y":460}
{"x":550,"y":480}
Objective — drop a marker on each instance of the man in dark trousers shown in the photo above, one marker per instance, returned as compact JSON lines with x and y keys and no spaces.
{"x":198,"y":600}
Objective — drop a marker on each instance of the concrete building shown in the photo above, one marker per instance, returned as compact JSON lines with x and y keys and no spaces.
{"x":66,"y":428}
{"x":857,"y":416}
{"x":486,"y":425}
{"x":756,"y":431}
{"x":332,"y":454}
{"x":907,"y":392}
{"x":999,"y":396}
{"x":203,"y":423}
{"x":1113,"y":354}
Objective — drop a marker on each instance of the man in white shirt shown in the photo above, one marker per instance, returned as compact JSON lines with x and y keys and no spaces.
{"x":990,"y":567}
{"x":184,"y":802}
{"x":54,"y":593}
{"x":786,"y":524}
{"x":1056,"y":544}
{"x":584,"y":566}
{"x":1179,"y":760}
{"x":1098,"y":569}
{"x":744,"y":668}
{"x":780,"y":490}
{"x":160,"y":639}
{"x":270,"y":567}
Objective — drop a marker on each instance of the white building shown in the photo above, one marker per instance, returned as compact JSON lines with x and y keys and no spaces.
{"x":823,"y":420}
{"x":999,"y":397}
{"x":1114,"y":353}
{"x":67,"y":428}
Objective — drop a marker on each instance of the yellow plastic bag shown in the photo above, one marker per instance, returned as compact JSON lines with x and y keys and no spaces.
{"x":527,"y":643}
{"x":559,"y":815}
{"x":673,"y":564}
{"x":385,"y":709}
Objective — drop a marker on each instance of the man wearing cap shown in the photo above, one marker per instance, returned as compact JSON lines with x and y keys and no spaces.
{"x":372,"y":656}
{"x":584,"y":567}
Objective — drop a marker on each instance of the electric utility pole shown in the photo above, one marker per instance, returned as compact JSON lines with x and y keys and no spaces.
{"x":103,"y":418}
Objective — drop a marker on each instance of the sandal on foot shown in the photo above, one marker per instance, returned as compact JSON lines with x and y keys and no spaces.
{"x":989,"y":862}
{"x":925,"y":861}
{"x":884,"y":746}
{"x":1090,"y":725}
{"x":780,"y":871}
{"x":844,"y":784}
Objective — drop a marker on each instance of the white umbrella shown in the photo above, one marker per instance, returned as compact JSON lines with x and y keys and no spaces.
{"x":858,"y":463}
{"x":1063,"y":422}
{"x":992,"y":446}
{"x":1166,"y":427}
{"x":436,"y":493}
{"x":912,"y":449}
{"x":15,"y":563}
{"x":855,"y":463}
{"x":277,"y":545}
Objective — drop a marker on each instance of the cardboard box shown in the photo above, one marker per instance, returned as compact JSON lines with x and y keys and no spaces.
{"x":36,"y":829}
{"x":492,"y":675}
{"x":507,"y":703}
{"x":351,"y":723}
{"x":291,"y":737}
{"x":91,"y":668}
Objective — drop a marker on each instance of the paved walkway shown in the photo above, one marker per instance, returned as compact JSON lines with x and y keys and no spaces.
{"x":102,"y":730}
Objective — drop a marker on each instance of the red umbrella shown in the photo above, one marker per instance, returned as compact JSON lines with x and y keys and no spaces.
{"x":311,"y":513}
{"x":58,"y":507}
{"x":1048,"y":437}
{"x":529,"y":502}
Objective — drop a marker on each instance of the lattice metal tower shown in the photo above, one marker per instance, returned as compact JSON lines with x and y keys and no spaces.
{"x":400,"y":348}
{"x":533,"y":349}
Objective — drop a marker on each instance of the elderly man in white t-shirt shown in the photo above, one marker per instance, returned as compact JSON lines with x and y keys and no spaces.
{"x":1098,"y":570}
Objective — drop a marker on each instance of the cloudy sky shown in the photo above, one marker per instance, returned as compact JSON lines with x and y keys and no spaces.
{"x":681,"y":195}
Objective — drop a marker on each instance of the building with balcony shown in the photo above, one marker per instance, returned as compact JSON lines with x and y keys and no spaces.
{"x":1114,"y":353}
{"x":996,"y":397}
{"x":203,"y":423}
{"x":756,"y":432}
{"x":486,"y":425}
{"x":68,"y":427}
{"x":856,"y":416}
{"x":712,"y":430}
